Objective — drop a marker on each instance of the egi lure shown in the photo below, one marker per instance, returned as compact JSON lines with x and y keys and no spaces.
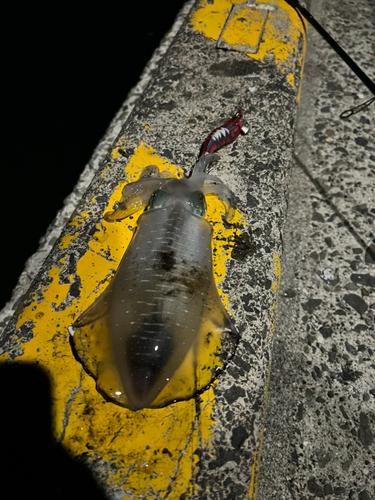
{"x":224,"y":134}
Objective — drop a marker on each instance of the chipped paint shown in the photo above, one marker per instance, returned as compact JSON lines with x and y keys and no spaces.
{"x":105,"y":172}
{"x":79,"y":219}
{"x":132,"y":444}
{"x":281,"y":34}
{"x":243,"y":29}
{"x":277,"y":272}
{"x":115,"y":153}
{"x":66,"y":240}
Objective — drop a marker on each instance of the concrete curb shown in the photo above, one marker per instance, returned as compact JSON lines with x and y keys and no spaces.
{"x":208,"y":447}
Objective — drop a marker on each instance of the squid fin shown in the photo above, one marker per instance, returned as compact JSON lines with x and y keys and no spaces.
{"x":92,"y":346}
{"x":98,"y":309}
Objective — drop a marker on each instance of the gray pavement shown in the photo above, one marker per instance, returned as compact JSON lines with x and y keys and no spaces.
{"x":319,"y":436}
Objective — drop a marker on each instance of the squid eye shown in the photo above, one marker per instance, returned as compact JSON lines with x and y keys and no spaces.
{"x":238,"y":115}
{"x":198,"y":203}
{"x":158,"y":199}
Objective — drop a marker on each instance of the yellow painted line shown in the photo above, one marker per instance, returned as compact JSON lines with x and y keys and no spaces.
{"x":148,"y":451}
{"x":281,"y":35}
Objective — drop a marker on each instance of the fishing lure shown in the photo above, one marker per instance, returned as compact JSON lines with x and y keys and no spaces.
{"x":159,"y":332}
{"x":225,"y":134}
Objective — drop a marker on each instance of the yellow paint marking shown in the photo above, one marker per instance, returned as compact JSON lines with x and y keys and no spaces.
{"x":66,"y":240}
{"x":79,"y":220}
{"x":244,"y":29}
{"x":220,"y":236}
{"x":131,"y":444}
{"x":255,"y":471}
{"x":277,"y":272}
{"x":120,"y":144}
{"x":281,"y":36}
{"x":105,"y":172}
{"x":290,"y":79}
{"x":145,"y":155}
{"x":302,"y":65}
{"x":210,"y":18}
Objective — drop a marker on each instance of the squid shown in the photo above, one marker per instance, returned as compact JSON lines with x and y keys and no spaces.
{"x":159,"y":332}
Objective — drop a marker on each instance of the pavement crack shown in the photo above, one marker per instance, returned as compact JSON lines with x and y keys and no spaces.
{"x":68,"y":405}
{"x":183,"y":451}
{"x":116,"y":434}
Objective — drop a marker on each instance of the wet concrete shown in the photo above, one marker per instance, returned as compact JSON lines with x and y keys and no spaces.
{"x":319,"y":438}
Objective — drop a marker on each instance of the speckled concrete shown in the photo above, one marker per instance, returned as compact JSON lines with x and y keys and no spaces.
{"x":319,"y":439}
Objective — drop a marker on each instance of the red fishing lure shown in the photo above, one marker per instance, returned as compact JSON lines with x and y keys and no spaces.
{"x":223,"y":135}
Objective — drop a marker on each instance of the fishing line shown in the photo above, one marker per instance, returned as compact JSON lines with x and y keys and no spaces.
{"x":341,"y":52}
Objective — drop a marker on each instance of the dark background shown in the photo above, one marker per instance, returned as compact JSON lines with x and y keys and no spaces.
{"x":67,"y":67}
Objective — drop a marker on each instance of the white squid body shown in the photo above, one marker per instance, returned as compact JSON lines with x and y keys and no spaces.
{"x":159,"y":332}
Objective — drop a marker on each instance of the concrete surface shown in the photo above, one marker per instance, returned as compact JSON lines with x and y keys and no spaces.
{"x":319,"y":438}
